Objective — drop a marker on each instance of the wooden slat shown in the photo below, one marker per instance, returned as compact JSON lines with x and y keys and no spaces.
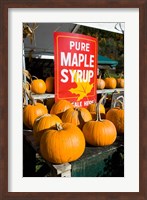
{"x":47,"y":95}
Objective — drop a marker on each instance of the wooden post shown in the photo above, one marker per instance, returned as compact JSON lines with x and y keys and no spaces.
{"x":64,"y":170}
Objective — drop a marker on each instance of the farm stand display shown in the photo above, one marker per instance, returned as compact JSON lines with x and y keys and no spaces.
{"x":66,"y":82}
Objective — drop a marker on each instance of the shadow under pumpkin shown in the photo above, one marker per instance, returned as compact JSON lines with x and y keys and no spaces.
{"x":105,"y":161}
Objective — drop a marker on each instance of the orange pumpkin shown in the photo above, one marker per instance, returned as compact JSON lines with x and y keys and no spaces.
{"x":63,"y":143}
{"x":120,"y":82}
{"x":44,"y":122}
{"x":60,"y":106}
{"x":49,"y":84}
{"x":110,"y":83}
{"x":100,"y":84}
{"x":99,"y":132}
{"x":38,"y":86}
{"x":77,"y":116}
{"x":116,"y":115}
{"x":92,"y":110}
{"x":31,"y":112}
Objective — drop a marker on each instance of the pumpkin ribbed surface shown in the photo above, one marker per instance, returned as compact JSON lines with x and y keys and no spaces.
{"x":44,"y":122}
{"x":61,"y":145}
{"x":110,"y":83}
{"x":100,"y":84}
{"x":60,"y":106}
{"x":100,"y":133}
{"x":77,"y":116}
{"x":31,"y":112}
{"x":120,"y":82}
{"x":49,"y":84}
{"x":116,"y":116}
{"x":92,"y":110}
{"x":38,"y":86}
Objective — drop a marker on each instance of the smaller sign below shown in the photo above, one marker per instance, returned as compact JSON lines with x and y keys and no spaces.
{"x":75,"y":68}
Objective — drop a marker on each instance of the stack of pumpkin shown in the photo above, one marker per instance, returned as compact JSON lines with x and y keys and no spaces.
{"x":63,"y":131}
{"x":110,"y":83}
{"x":39,"y":86}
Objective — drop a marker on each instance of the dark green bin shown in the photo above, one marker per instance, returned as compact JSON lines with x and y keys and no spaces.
{"x":101,"y":161}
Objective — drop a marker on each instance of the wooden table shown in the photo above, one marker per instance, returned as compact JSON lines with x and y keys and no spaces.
{"x":95,"y":161}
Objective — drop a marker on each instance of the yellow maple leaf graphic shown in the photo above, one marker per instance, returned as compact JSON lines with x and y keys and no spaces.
{"x":82,"y":89}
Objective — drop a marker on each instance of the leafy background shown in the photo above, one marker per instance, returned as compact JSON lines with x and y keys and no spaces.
{"x":110,"y":44}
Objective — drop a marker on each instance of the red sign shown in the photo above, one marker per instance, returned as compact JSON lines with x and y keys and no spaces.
{"x":75,"y":68}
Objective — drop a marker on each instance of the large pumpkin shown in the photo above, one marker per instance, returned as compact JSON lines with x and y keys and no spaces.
{"x":92,"y":109}
{"x":44,"y":122}
{"x":77,"y":116}
{"x":49,"y":84}
{"x":99,"y":132}
{"x":38,"y":86}
{"x":31,"y":112}
{"x":110,"y":83}
{"x":60,"y":106}
{"x":63,"y":143}
{"x":116,"y":115}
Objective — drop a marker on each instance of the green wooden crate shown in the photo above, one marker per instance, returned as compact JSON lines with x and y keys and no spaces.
{"x":95,"y":162}
{"x":100,"y":162}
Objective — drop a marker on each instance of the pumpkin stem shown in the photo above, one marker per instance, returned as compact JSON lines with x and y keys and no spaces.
{"x":45,"y":115}
{"x":98,"y":115}
{"x":121,"y":103}
{"x":59,"y":126}
{"x":121,"y":75}
{"x":33,"y":77}
{"x":76,"y":108}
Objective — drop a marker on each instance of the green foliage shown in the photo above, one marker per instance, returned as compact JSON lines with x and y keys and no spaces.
{"x":110,"y":44}
{"x":109,"y":73}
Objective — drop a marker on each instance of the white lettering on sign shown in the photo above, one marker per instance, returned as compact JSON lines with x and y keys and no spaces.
{"x":79,"y":46}
{"x":82,"y":75}
{"x":64,"y":75}
{"x":76,"y":59}
{"x":86,"y":103}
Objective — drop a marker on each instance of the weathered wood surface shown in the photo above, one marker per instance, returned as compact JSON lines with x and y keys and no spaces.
{"x":95,"y":161}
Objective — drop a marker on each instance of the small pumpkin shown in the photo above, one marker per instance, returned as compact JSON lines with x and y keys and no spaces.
{"x":116,"y":115}
{"x":38,"y":86}
{"x":92,"y":109}
{"x":100,"y":83}
{"x":60,"y":106}
{"x":62,"y":143}
{"x":49,"y":84}
{"x":120,"y":82}
{"x":31,"y":112}
{"x":110,"y":83}
{"x":43,"y":122}
{"x":77,"y":116}
{"x":99,"y":132}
